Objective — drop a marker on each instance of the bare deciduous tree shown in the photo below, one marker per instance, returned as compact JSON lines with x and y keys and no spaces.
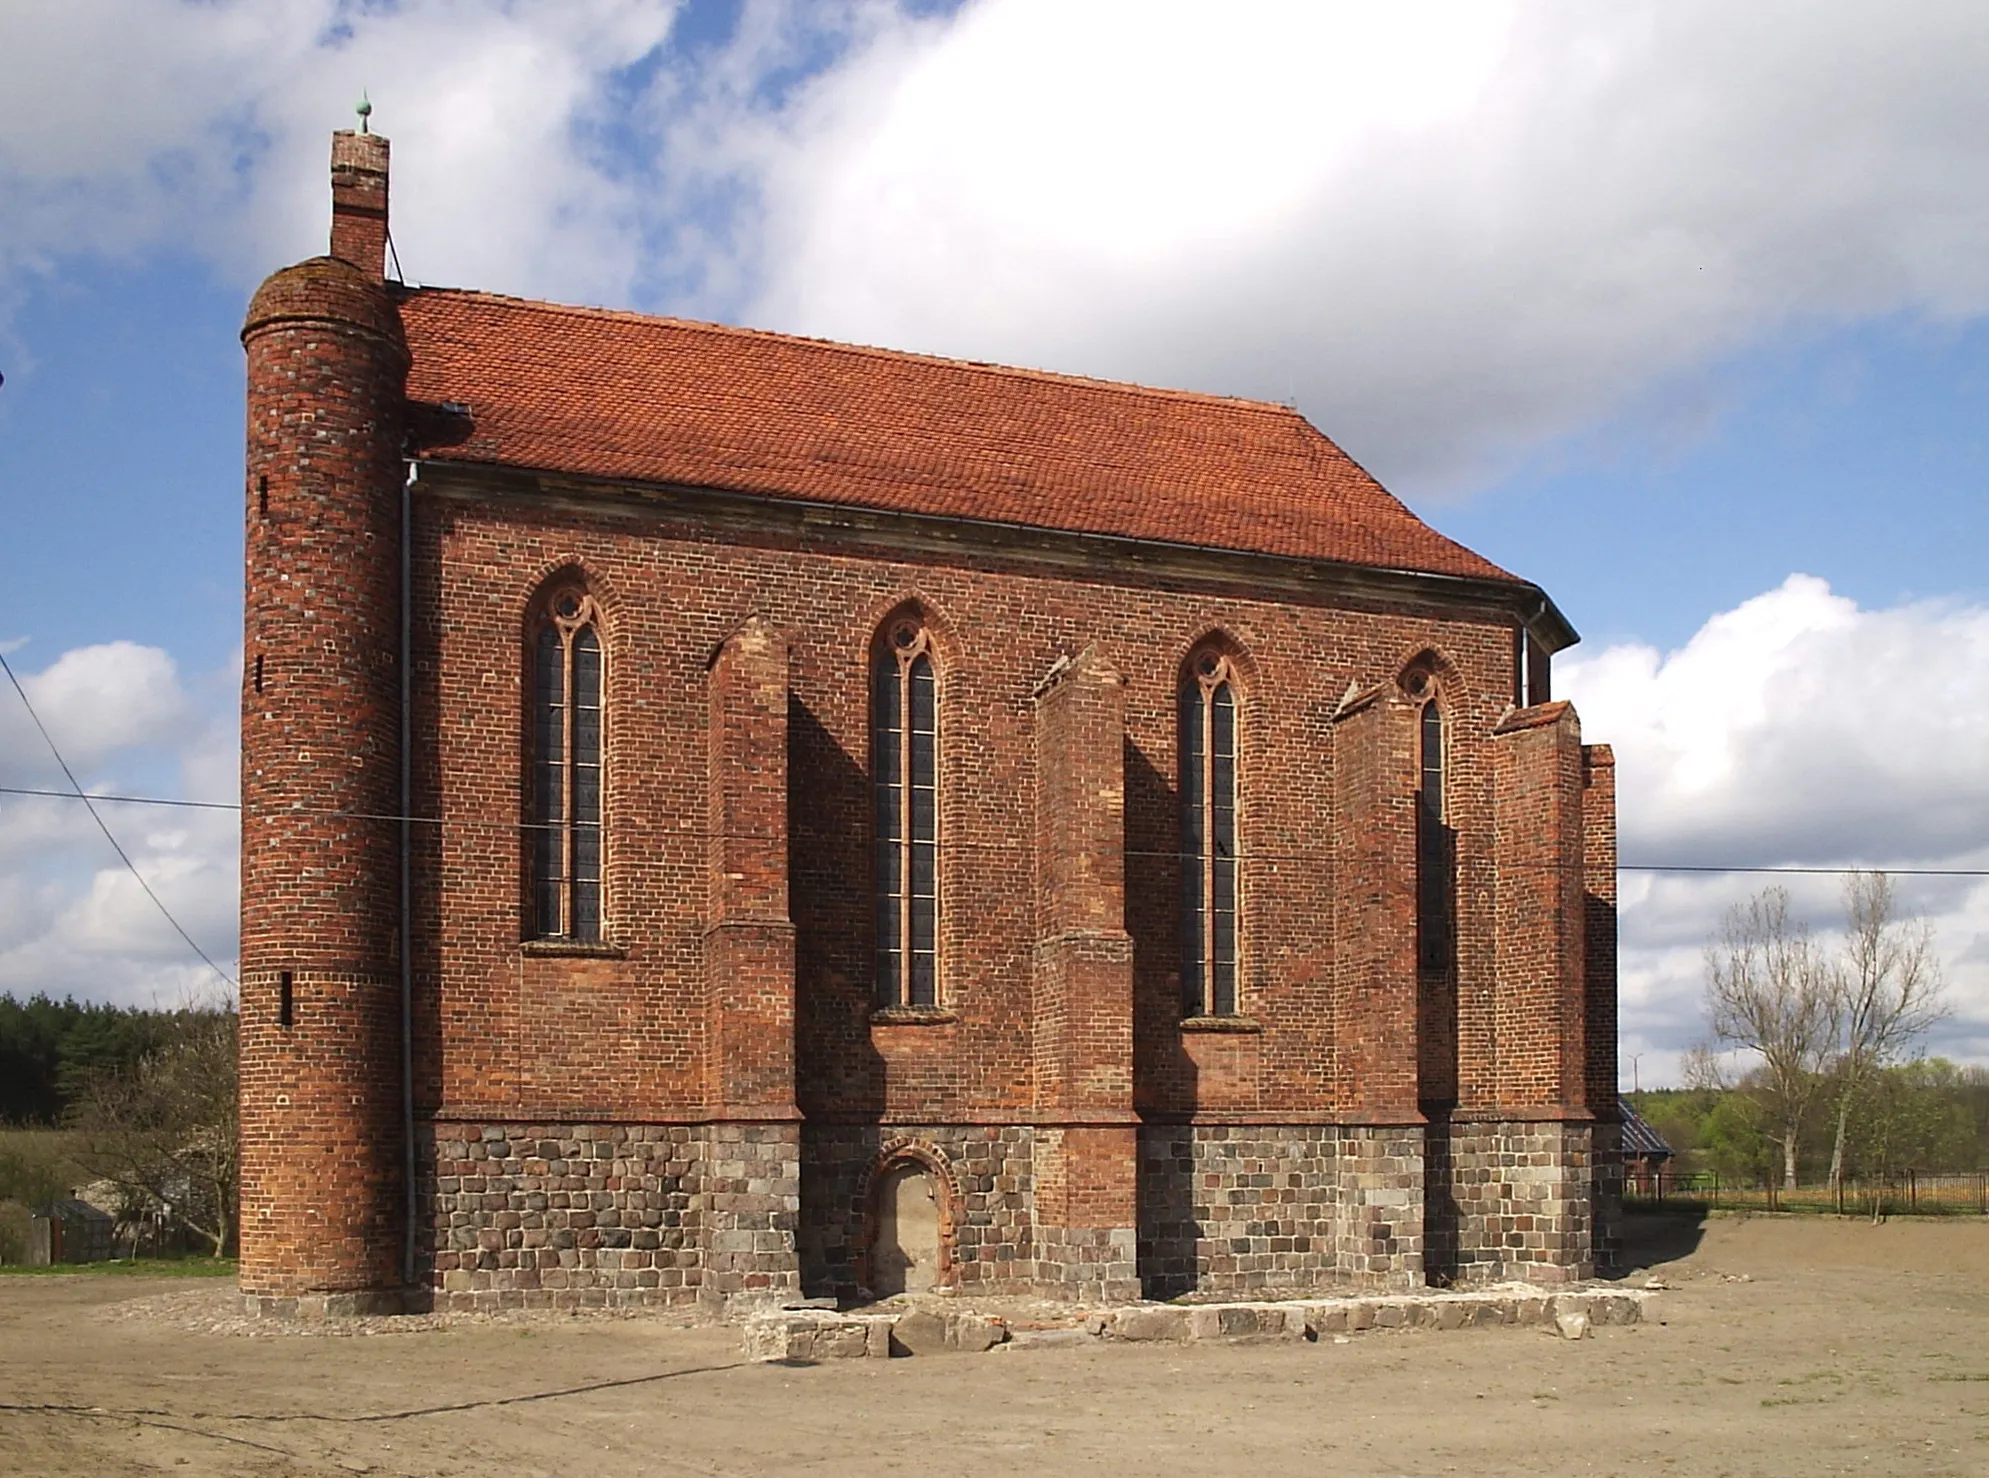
{"x":1699,"y":1067}
{"x":165,"y":1131}
{"x":1888,"y":987}
{"x":1769,"y":991}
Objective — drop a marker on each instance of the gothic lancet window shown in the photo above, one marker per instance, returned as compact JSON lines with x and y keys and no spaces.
{"x":1435,"y":863}
{"x":565,"y":823}
{"x":905,"y":778}
{"x":1208,"y":837}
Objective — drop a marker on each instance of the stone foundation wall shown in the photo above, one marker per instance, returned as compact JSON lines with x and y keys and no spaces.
{"x":1523,"y":1197}
{"x":992,"y":1173}
{"x":566,"y":1215}
{"x":536,"y":1215}
{"x":1235,"y":1209}
{"x":1606,"y":1154}
{"x":1087,"y":1264}
{"x":1378,"y":1232}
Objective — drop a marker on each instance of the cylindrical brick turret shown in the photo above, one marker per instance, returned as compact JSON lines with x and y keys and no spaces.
{"x":320,"y":1000}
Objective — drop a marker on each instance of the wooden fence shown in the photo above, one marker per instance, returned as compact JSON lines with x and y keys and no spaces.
{"x":1907,"y":1194}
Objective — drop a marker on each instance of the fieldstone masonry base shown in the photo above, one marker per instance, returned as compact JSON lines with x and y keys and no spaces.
{"x":990,"y":1174}
{"x":1522,"y":1202}
{"x":1089,"y":1263}
{"x":569,"y":1216}
{"x":1606,"y":1163}
{"x":315,"y":1306}
{"x":1238,"y":1209}
{"x":1379,"y":1229}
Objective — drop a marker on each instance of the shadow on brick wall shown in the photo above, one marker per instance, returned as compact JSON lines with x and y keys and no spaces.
{"x":836,"y":1066}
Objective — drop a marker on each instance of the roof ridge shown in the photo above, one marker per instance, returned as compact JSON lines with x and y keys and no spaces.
{"x":1271,"y":408}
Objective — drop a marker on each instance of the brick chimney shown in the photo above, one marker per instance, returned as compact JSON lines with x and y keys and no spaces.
{"x":359,"y":201}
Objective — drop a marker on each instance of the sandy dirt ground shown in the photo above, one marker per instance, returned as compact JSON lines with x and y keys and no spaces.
{"x":1782,"y":1347}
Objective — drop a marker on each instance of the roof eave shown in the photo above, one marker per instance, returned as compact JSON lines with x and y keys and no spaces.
{"x":1547,"y":625}
{"x":1527,"y":602}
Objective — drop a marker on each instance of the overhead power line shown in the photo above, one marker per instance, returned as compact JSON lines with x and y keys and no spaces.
{"x":78,"y":793}
{"x":699,"y":834}
{"x":123,"y":800}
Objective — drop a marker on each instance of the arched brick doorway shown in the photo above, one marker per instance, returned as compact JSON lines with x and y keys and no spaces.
{"x":909,"y":1204}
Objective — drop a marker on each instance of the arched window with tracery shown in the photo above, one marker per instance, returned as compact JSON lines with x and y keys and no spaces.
{"x":1435,"y":850}
{"x":904,"y":757}
{"x":566,"y":785}
{"x":1209,"y":882}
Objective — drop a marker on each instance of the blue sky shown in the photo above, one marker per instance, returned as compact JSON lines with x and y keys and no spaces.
{"x":1662,"y":307}
{"x":1858,"y":456}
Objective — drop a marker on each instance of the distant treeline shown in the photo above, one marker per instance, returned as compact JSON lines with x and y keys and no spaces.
{"x":1928,"y":1116}
{"x":49,"y":1048}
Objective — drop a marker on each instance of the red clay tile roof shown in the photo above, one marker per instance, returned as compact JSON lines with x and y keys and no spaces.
{"x":617,"y":395}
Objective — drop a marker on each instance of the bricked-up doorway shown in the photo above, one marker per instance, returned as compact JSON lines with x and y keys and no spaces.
{"x":904,"y":1258}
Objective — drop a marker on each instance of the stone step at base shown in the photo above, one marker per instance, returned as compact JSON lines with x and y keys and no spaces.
{"x":804,"y":1336}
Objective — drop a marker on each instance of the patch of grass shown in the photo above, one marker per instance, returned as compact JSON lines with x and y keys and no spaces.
{"x":144,"y":1267}
{"x":1792,"y":1400}
{"x":1969,"y":1375}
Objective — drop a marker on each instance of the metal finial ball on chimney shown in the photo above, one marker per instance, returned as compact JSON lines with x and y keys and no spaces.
{"x":364,"y":109}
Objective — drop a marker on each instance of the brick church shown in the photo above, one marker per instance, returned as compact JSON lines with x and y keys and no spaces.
{"x":731,"y":814}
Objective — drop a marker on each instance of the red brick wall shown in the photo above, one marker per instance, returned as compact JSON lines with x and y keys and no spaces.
{"x":359,"y":163}
{"x":748,"y":941}
{"x":1540,"y":1018}
{"x":626,"y":1035}
{"x":1374,"y":884}
{"x":1081,"y":1009}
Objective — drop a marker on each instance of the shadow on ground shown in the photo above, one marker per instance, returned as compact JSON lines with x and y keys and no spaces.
{"x":1651,"y":1238}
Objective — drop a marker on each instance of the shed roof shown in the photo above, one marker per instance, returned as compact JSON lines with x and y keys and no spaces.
{"x":1640,"y":1136}
{"x":72,"y":1208}
{"x":597,"y":393}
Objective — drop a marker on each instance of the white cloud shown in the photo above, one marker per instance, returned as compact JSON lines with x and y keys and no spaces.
{"x":73,"y":919}
{"x":127,"y":128}
{"x":1796,"y":730}
{"x":1451,"y":229}
{"x":95,"y":701}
